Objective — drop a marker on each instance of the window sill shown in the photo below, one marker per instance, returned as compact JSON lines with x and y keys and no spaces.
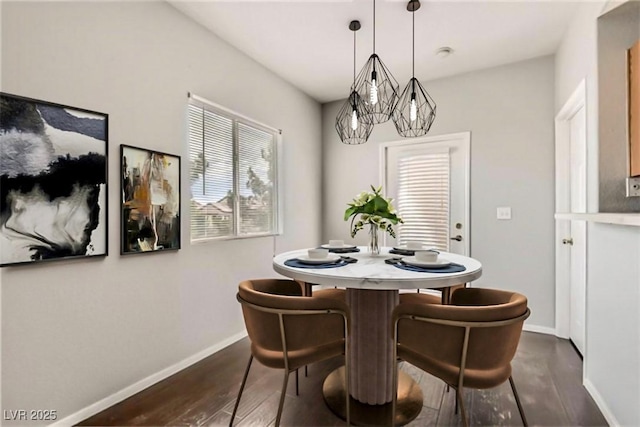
{"x":632,"y":219}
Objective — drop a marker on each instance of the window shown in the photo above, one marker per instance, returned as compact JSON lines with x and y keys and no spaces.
{"x":233,"y":171}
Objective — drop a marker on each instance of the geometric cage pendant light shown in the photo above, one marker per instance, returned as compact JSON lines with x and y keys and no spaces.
{"x":353,"y":122}
{"x":376,"y":85}
{"x":416,"y":110}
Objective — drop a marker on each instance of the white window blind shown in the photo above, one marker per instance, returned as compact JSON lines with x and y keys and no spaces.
{"x":255,"y":155}
{"x":423,"y":199}
{"x":233,"y":172}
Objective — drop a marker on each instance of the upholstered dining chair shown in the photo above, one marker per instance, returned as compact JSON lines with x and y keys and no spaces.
{"x":288,"y":330}
{"x":445,"y":293}
{"x":468,"y":343}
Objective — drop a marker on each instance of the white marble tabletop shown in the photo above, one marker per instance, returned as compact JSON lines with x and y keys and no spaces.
{"x":371,"y":272}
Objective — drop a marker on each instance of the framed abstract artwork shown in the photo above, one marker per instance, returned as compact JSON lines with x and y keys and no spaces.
{"x":150,"y":185}
{"x":53,"y":181}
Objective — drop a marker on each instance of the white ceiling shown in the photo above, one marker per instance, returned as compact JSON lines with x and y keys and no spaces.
{"x":309,"y":44}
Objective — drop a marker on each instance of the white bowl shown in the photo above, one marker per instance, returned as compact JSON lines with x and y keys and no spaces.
{"x":427,"y":256}
{"x":318,"y":253}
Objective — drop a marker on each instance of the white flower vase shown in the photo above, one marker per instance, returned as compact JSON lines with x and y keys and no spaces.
{"x":374,"y":247}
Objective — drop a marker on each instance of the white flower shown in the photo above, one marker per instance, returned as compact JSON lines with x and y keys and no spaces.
{"x":361,"y":198}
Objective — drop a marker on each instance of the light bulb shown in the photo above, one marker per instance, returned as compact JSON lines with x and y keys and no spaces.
{"x":413,"y":110}
{"x":354,"y":120}
{"x":373,"y":95}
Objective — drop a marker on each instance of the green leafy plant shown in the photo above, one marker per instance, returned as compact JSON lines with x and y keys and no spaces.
{"x":372,"y":208}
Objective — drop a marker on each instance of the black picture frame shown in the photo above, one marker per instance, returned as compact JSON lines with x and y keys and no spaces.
{"x":150,"y":212}
{"x":53,"y":181}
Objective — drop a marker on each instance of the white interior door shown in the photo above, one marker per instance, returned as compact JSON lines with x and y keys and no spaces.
{"x":571,"y":235}
{"x":578,"y":282}
{"x":428,"y":178}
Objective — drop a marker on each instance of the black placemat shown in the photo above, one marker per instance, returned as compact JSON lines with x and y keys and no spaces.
{"x":293,"y":262}
{"x":343,"y":250}
{"x":402,"y":252}
{"x":451,"y":268}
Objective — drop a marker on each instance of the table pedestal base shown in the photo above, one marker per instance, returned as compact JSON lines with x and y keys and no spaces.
{"x":407,"y":409}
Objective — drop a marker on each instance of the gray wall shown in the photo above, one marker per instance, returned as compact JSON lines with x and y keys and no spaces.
{"x":509,"y":111}
{"x":76,"y":332}
{"x":618,"y":30}
{"x":612,"y":359}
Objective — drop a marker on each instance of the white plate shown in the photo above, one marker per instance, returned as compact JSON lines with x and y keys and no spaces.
{"x":345,"y":246}
{"x":405,"y":248}
{"x":329,"y":259}
{"x":441,"y":263}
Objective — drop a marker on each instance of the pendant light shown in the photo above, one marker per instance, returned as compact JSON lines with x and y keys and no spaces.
{"x":350,"y":123}
{"x":375,"y":84}
{"x":416,"y":110}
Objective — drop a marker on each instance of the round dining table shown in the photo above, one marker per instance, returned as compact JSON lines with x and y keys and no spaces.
{"x":372,"y":288}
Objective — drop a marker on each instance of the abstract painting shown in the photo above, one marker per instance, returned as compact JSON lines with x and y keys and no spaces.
{"x":150,"y":200}
{"x":53,"y":181}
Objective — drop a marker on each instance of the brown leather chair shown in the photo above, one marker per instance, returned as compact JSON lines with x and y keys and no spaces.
{"x":445,"y":293}
{"x":469,"y":343}
{"x":288,"y":330}
{"x":422,"y":298}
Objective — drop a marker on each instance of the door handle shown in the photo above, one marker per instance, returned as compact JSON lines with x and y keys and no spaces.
{"x":457,"y":238}
{"x":568,"y":241}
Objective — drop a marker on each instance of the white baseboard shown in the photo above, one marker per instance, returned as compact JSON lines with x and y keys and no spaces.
{"x":137,"y":387}
{"x":539,"y":329}
{"x":604,"y":408}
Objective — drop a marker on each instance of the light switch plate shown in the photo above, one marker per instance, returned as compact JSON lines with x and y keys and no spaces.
{"x":633,"y":187}
{"x":504,"y":212}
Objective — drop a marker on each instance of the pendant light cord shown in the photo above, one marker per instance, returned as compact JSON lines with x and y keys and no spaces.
{"x":374,"y":26}
{"x":354,"y":59}
{"x":413,"y":48}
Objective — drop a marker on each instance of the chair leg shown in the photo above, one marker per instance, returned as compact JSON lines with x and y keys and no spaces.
{"x":463,"y":413}
{"x":244,"y":381}
{"x":297,"y":390}
{"x":456,"y":410}
{"x":306,"y":371}
{"x":394,"y":392}
{"x":347,"y":393}
{"x":446,"y":296}
{"x":515,"y":394}
{"x":284,"y":391}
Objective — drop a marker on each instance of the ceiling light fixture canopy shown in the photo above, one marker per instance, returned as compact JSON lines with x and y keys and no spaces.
{"x":376,"y":85}
{"x":444,"y":52}
{"x":353,"y":121}
{"x":415,"y":110}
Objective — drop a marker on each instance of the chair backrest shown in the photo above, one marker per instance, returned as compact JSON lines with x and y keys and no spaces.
{"x":275,"y":310}
{"x":494,"y":319}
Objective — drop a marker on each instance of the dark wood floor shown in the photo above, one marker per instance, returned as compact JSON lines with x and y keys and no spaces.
{"x":547,"y":372}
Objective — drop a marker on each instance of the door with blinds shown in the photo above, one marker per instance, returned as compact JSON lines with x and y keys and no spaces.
{"x":428,"y":178}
